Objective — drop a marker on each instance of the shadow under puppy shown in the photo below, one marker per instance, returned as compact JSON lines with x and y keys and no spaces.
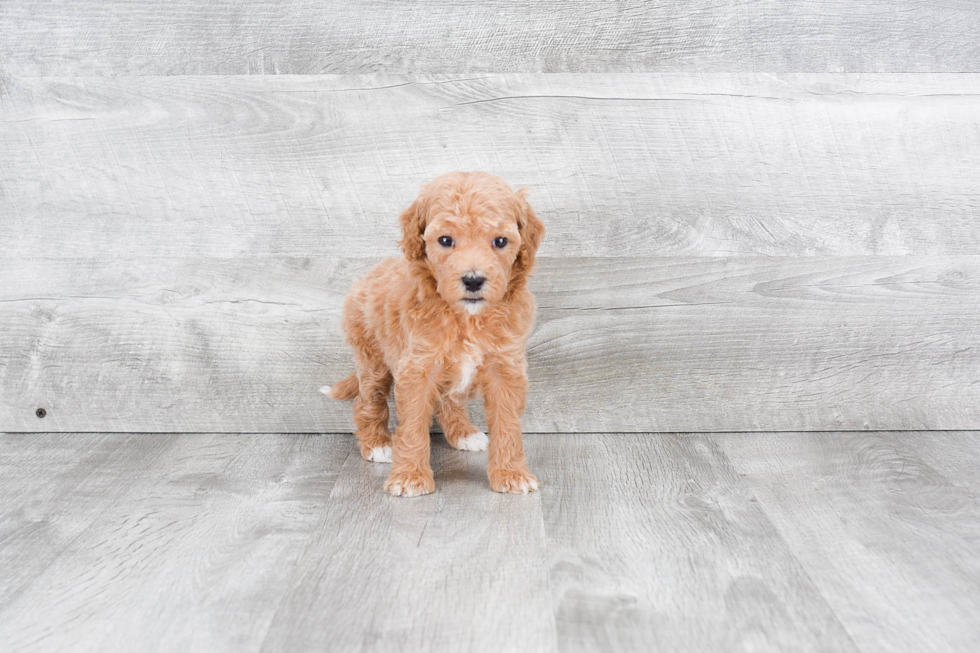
{"x":449,"y":320}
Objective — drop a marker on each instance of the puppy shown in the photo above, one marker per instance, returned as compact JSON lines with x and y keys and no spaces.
{"x":449,"y":320}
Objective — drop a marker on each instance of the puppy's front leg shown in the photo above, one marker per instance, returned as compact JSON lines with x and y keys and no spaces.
{"x":415,"y":398}
{"x":505,"y":392}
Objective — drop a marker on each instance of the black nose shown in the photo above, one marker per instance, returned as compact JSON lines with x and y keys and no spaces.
{"x":473,"y":282}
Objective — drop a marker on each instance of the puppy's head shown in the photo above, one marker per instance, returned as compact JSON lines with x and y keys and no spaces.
{"x":474,"y":236}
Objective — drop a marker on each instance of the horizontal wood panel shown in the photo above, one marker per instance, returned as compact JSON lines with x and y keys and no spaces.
{"x":621,"y":165}
{"x":631,"y":344}
{"x":300,"y":36}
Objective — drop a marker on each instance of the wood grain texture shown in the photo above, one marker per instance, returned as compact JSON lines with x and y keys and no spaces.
{"x":184,"y":552}
{"x":655,"y":544}
{"x":209,"y":542}
{"x":53,"y":487}
{"x":617,"y":165}
{"x":300,"y":36}
{"x":462,"y":569}
{"x":625,"y":344}
{"x":950,"y":453}
{"x":890,"y":542}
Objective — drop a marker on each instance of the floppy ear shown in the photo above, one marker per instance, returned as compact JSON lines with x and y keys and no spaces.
{"x":413,"y":226}
{"x":532,"y":232}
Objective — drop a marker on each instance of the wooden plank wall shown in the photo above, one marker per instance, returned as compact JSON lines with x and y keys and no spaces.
{"x":759,"y":218}
{"x":234,"y":37}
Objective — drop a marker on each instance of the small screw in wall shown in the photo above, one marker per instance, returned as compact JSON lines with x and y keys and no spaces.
{"x":40,"y":412}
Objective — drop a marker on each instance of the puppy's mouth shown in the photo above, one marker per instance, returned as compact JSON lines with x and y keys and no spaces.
{"x":473,"y":305}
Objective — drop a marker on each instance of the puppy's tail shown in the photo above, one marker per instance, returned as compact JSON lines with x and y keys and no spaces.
{"x":342,"y":390}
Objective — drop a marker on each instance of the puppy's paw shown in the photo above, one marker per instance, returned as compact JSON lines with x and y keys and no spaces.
{"x":376,"y":454}
{"x":410,"y":484}
{"x":516,"y":481}
{"x":472,"y":442}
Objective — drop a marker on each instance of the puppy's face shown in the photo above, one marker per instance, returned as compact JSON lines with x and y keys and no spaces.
{"x":471,"y":256}
{"x":475,"y":235}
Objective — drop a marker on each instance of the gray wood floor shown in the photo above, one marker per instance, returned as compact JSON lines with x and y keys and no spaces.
{"x":219,"y":542}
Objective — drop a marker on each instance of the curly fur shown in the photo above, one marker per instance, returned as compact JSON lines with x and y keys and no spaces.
{"x":413,"y":322}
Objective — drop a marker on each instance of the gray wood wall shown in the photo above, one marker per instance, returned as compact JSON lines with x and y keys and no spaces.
{"x":760,"y":217}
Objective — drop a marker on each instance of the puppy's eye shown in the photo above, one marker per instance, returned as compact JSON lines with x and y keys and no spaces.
{"x":500,"y":242}
{"x":445,"y":241}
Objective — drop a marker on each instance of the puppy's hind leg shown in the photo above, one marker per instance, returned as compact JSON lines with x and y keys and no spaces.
{"x":371,"y":411}
{"x":459,"y":430}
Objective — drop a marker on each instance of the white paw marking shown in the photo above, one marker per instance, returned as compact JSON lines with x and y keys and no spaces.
{"x":398,"y":490}
{"x":473,"y":442}
{"x":325,"y":390}
{"x":380,"y":455}
{"x":524,"y":486}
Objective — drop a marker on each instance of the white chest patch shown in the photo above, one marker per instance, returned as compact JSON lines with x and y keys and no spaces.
{"x":467,"y":368}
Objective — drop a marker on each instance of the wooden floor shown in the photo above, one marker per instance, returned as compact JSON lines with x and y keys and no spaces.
{"x":711,"y":542}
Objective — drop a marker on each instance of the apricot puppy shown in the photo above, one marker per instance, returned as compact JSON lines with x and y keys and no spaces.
{"x":449,"y":320}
